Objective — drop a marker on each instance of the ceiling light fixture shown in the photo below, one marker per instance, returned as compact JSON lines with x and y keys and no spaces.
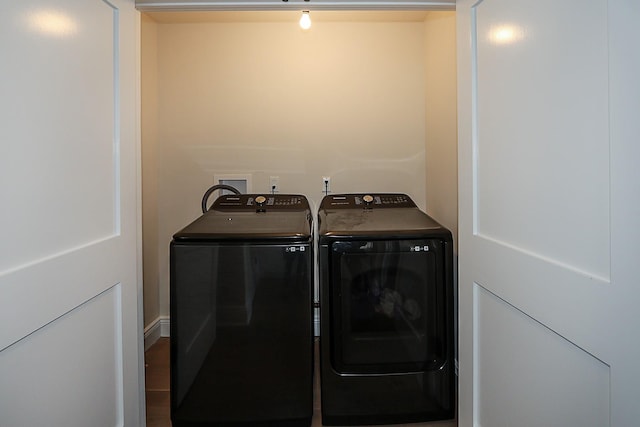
{"x":305,"y":20}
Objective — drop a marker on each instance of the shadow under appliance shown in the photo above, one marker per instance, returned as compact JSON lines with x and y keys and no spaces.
{"x":241,"y":314}
{"x":386,"y":301}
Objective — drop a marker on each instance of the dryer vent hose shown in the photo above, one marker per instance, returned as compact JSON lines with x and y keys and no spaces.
{"x":213,"y":188}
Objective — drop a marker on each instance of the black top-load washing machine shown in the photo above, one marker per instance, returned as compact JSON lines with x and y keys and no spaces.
{"x":386,"y":296}
{"x":241,"y":314}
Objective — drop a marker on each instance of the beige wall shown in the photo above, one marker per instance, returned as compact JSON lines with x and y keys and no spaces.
{"x":441,"y":119}
{"x":149,"y":128}
{"x":345,"y":100}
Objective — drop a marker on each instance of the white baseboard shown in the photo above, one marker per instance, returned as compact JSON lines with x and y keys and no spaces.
{"x":156,"y":329}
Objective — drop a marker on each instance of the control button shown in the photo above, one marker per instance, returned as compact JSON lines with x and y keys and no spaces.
{"x":260,"y":200}
{"x":368,"y":199}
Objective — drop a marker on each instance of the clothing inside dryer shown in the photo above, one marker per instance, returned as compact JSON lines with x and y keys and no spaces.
{"x":388,"y":312}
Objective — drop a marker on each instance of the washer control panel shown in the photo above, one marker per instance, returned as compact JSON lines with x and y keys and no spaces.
{"x":372,"y":200}
{"x":249,"y":202}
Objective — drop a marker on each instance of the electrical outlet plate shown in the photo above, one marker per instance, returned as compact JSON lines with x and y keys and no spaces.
{"x":274,"y":184}
{"x":326,"y":185}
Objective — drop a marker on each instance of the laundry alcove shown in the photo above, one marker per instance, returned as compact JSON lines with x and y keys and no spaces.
{"x":367,"y":97}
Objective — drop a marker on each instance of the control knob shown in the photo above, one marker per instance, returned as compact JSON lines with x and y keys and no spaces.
{"x":260,"y":200}
{"x":368,"y":199}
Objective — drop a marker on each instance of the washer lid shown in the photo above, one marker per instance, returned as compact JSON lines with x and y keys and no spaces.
{"x":283,"y":218}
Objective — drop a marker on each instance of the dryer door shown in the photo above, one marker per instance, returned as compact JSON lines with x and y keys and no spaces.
{"x":388,"y":306}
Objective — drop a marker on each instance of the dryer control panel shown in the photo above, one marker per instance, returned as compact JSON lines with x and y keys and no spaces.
{"x":373,"y":200}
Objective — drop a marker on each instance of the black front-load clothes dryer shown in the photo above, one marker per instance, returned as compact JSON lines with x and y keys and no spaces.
{"x":386,"y":301}
{"x":241,"y":314}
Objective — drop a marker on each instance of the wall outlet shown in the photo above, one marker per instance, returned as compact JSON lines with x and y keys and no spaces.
{"x":326,"y":185}
{"x":274,"y":184}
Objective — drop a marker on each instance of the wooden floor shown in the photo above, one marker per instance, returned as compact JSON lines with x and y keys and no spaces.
{"x":157,"y":384}
{"x":157,"y":391}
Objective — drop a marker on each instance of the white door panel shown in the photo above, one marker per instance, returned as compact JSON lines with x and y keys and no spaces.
{"x":532,"y":380}
{"x":61,"y":85}
{"x":549,"y":212}
{"x":84,"y":272}
{"x":542,"y":166}
{"x":624,"y":96}
{"x":567,"y":302}
{"x":74,"y":375}
{"x":71,"y":335}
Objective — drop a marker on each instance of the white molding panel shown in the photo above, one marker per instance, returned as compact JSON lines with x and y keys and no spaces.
{"x":81,"y":367}
{"x":542,"y":151}
{"x":178,"y":5}
{"x":522,"y":366}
